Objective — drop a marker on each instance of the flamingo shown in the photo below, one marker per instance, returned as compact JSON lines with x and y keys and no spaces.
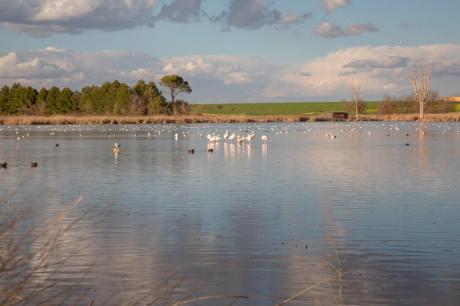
{"x":232,"y":136}
{"x":226,"y":135}
{"x":264,"y":138}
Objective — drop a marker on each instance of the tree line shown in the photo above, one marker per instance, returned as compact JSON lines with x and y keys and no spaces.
{"x":112,"y":98}
{"x":423,"y":100}
{"x":403,"y":105}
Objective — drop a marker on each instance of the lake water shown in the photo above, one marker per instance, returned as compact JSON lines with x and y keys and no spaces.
{"x":360,"y":219}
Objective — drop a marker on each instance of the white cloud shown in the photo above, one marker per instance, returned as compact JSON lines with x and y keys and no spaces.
{"x":227,"y":69}
{"x":332,"y":5}
{"x":380,"y":70}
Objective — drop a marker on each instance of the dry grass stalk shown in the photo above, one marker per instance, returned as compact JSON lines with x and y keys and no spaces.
{"x":28,"y":253}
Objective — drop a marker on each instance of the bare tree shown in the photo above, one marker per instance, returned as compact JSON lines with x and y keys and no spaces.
{"x":421,"y":85}
{"x":356,"y":96}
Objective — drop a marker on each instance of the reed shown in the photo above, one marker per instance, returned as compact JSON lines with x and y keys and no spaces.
{"x":89,"y":120}
{"x":439,"y":117}
{"x":184,"y":119}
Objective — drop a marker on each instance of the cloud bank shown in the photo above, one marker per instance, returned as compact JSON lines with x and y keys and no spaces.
{"x":380,"y":70}
{"x":43,"y":17}
{"x":46,"y":17}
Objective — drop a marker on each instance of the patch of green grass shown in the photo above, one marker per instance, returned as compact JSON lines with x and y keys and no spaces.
{"x":279,"y":108}
{"x":457,"y":107}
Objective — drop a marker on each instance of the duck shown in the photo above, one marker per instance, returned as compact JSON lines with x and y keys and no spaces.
{"x":4,"y":165}
{"x":34,"y":164}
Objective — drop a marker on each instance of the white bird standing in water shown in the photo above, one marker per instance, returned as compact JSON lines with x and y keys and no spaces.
{"x":214,"y":139}
{"x":116,"y":148}
{"x":176,"y":136}
{"x":226,"y":135}
{"x":264,"y":138}
{"x":232,"y":136}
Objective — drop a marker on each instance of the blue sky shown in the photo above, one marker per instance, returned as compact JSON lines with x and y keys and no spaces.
{"x":234,"y":50}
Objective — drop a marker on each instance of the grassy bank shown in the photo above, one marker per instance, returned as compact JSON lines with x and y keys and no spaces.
{"x":86,"y":120}
{"x":270,"y":109}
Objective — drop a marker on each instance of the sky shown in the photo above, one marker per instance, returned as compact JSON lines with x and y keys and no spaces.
{"x":234,"y":50}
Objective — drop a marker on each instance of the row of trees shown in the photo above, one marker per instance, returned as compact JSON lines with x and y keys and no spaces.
{"x":409,"y":104}
{"x":423,"y":100}
{"x":112,"y":98}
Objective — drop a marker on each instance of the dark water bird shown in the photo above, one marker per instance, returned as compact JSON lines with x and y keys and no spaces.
{"x":34,"y":165}
{"x":191,"y":151}
{"x":407,"y":134}
{"x":4,"y":165}
{"x":407,"y":144}
{"x":210,"y":150}
{"x":57,"y":145}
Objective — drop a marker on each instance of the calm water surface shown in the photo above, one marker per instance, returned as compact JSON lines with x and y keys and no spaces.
{"x":361,"y":219}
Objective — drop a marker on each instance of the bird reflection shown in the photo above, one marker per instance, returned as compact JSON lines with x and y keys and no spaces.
{"x":264,"y":150}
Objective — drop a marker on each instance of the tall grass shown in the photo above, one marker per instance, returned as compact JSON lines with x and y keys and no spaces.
{"x":84,"y":120}
{"x":89,"y":120}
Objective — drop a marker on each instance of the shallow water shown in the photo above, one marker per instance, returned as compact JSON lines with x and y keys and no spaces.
{"x":361,"y":219}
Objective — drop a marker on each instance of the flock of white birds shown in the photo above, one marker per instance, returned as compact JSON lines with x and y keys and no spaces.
{"x":243,"y":133}
{"x":230,"y":137}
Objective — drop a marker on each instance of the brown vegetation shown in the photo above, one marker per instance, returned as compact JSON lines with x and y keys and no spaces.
{"x":441,"y":117}
{"x":85,"y":120}
{"x":165,"y":119}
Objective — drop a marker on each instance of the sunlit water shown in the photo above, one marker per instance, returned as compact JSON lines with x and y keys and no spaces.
{"x":361,"y":219}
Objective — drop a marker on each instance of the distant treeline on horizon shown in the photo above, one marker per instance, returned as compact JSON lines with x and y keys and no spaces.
{"x":112,"y":98}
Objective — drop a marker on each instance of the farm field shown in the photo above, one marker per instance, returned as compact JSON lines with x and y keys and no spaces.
{"x":279,"y":108}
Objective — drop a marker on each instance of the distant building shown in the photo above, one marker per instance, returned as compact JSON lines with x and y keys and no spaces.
{"x":452,"y":99}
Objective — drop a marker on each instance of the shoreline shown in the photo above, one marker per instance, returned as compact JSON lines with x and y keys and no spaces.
{"x":187,"y":119}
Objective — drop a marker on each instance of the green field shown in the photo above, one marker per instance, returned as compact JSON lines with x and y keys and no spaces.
{"x":279,"y":108}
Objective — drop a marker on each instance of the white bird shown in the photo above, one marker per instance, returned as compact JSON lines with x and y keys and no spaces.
{"x":250,"y":137}
{"x":226,"y":135}
{"x":264,"y":138}
{"x":232,"y":136}
{"x":116,"y":148}
{"x":176,"y":136}
{"x":214,"y":139}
